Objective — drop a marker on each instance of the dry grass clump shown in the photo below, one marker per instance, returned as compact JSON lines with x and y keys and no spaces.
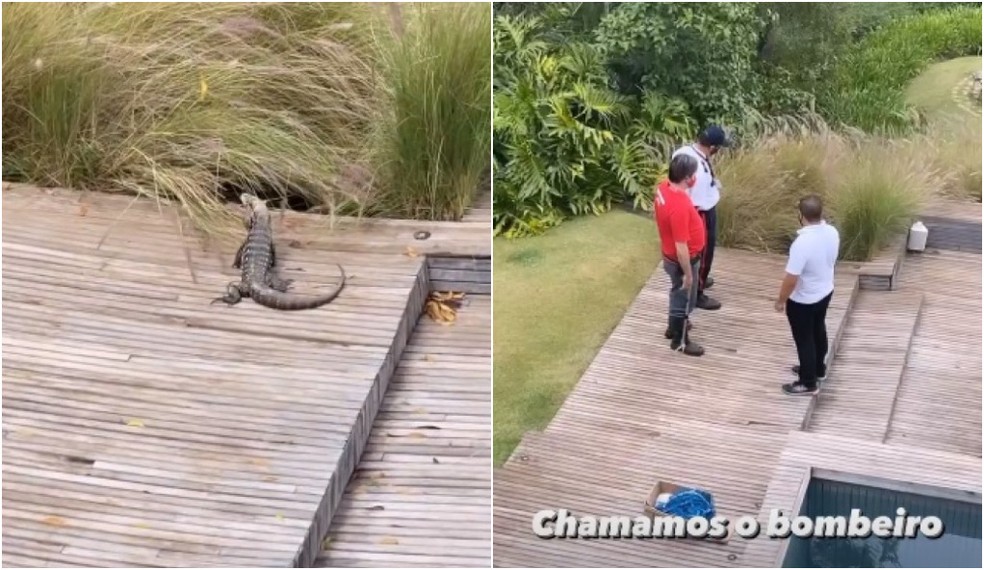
{"x":194,"y":101}
{"x":871,"y":186}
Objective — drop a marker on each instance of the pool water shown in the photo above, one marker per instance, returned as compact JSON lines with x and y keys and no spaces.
{"x":958,"y":547}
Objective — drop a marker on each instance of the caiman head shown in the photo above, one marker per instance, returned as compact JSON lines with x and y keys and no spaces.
{"x":256,"y":209}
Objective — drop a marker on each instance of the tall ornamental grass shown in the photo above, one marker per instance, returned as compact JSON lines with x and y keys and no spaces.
{"x":871,"y":186}
{"x":198,"y":101}
{"x":433,"y":137}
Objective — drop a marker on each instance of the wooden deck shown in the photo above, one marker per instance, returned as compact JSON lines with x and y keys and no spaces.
{"x":421,"y":494}
{"x":901,"y":408}
{"x":642,"y":413}
{"x":143,"y":426}
{"x":858,"y":400}
{"x":467,"y":273}
{"x":939,"y":401}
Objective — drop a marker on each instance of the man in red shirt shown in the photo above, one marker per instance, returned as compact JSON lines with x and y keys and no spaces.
{"x":683,"y":237}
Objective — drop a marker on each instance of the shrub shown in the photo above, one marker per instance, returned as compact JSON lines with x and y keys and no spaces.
{"x":565,"y":143}
{"x":434,"y":136}
{"x":866,"y":88}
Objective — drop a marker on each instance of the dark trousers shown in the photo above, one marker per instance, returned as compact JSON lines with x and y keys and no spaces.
{"x":710,"y":218}
{"x":808,"y":324}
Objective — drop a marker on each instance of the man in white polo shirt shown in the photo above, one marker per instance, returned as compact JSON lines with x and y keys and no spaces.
{"x":805,"y":294}
{"x":705,"y":195}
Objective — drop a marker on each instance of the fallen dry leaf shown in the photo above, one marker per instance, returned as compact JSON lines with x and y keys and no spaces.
{"x":428,"y":358}
{"x":83,"y":209}
{"x":133,"y":422}
{"x":326,"y":543}
{"x":279,"y":516}
{"x":442,"y":307}
{"x":411,"y":252}
{"x":388,"y":540}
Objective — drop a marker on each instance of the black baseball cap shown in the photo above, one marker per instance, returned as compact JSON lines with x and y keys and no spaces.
{"x":714,"y":135}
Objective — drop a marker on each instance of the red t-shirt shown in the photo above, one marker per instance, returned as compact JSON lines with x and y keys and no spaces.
{"x":678,"y":220}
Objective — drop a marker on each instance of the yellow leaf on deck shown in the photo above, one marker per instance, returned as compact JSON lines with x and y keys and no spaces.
{"x":83,"y":210}
{"x":142,"y":525}
{"x":133,"y":422}
{"x":428,"y":358}
{"x":388,"y":540}
{"x":326,"y":543}
{"x":202,"y":88}
{"x":411,"y":252}
{"x":52,"y":520}
{"x":280,"y":516}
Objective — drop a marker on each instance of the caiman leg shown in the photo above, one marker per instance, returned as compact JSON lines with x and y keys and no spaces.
{"x":234,"y":294}
{"x":238,"y":262}
{"x":278,"y":284}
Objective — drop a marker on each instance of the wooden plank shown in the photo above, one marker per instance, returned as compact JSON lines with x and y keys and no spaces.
{"x":859,"y":394}
{"x":340,"y":234}
{"x":941,"y":387}
{"x":145,"y":427}
{"x":422,"y":490}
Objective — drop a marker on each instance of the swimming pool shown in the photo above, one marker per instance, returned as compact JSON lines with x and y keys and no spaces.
{"x":958,"y":547}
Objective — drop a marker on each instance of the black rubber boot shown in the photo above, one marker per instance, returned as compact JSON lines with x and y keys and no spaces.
{"x":669,"y":330}
{"x":681,"y":338}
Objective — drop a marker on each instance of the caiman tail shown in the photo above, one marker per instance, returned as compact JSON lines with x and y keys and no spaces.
{"x":274,"y":299}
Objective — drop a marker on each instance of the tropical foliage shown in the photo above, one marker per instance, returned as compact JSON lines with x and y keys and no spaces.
{"x":565,"y":142}
{"x":590,"y":99}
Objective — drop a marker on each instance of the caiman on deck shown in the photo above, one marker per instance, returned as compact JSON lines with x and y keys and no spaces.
{"x":257,"y":257}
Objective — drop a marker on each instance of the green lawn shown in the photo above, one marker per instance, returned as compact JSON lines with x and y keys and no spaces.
{"x":557,"y":298}
{"x":957,"y":122}
{"x":932,"y":91}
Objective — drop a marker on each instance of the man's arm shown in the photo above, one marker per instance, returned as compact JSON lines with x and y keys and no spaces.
{"x":680,"y":230}
{"x":785,"y":290}
{"x":794,"y":267}
{"x":683,"y":257}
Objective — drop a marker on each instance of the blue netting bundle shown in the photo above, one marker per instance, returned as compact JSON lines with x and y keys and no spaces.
{"x":690,"y":503}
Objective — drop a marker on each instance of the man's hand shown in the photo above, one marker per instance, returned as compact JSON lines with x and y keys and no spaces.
{"x":688,"y":282}
{"x":785,"y":290}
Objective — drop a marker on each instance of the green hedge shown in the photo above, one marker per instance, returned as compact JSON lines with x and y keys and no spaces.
{"x":866,"y":89}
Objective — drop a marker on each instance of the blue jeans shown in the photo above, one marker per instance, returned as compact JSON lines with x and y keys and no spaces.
{"x":682,"y":302}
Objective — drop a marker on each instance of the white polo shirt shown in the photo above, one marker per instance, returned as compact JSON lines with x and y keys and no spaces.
{"x":706,"y":193}
{"x":812,"y":257}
